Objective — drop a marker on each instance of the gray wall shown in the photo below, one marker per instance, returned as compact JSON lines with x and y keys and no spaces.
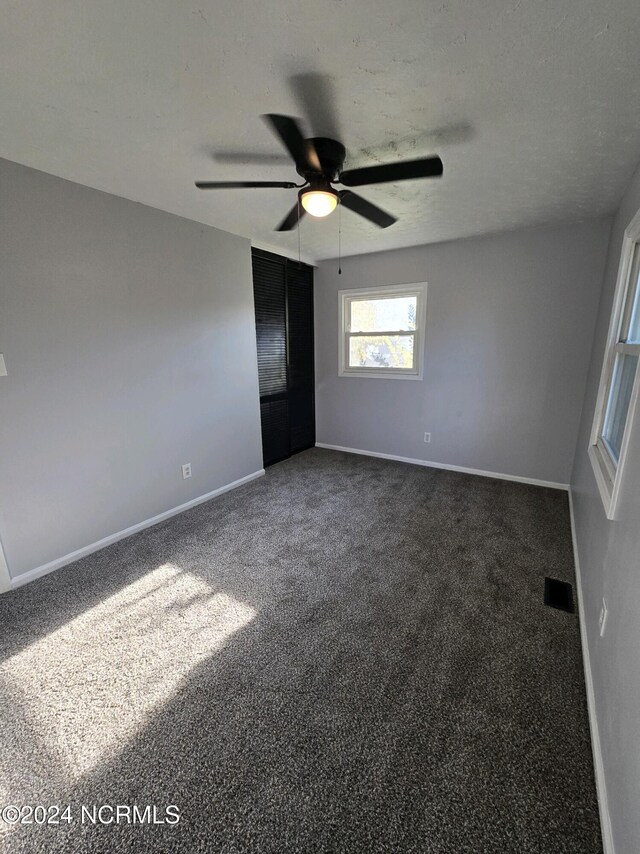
{"x":610,"y":566}
{"x":130,"y":346}
{"x":510,"y":321}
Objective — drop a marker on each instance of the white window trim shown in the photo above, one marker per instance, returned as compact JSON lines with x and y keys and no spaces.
{"x":418,"y":289}
{"x":608,"y":476}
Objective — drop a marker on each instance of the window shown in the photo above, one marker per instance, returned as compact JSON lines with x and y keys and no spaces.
{"x":620,"y":376}
{"x":382,"y":332}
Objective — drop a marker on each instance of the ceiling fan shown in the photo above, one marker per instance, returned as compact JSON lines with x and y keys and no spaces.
{"x":319,"y":161}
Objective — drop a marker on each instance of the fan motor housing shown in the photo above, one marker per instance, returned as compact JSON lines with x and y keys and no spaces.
{"x":331,"y":154}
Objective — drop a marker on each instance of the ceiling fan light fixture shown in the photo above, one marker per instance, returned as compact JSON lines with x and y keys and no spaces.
{"x":319,"y":202}
{"x":319,"y":161}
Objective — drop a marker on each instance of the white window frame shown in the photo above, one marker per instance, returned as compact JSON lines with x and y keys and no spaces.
{"x":608,"y":474}
{"x":417,"y":289}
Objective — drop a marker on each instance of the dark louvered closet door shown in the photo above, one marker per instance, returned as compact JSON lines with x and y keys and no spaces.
{"x":302,"y":422}
{"x":283,"y":295}
{"x":271,"y":333}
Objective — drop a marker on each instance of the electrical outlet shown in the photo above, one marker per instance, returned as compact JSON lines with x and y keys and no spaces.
{"x":602,"y":621}
{"x":427,"y":437}
{"x":186,"y":471}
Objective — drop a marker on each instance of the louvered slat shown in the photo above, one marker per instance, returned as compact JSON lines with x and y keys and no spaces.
{"x":271,"y":329}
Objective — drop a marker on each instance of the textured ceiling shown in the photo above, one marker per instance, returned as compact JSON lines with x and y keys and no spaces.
{"x":532,"y":105}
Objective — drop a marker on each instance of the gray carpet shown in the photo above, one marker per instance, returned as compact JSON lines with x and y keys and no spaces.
{"x":347,"y":655}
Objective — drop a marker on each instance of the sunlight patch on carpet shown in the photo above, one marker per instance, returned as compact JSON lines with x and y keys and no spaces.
{"x":83,"y":690}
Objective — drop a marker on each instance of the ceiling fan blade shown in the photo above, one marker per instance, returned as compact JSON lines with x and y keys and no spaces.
{"x":302,"y":150}
{"x":246,"y":158}
{"x":236,"y":185}
{"x":428,"y":167}
{"x":295,"y":214}
{"x":316,"y":96}
{"x":361,"y":206}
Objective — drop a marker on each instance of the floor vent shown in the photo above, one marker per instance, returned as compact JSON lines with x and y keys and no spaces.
{"x":558,"y":594}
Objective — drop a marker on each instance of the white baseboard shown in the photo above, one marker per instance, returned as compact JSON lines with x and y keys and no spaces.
{"x":447,"y":467}
{"x":46,"y":568}
{"x":601,"y":788}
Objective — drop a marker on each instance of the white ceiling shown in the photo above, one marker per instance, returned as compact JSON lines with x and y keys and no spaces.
{"x":532,"y":105}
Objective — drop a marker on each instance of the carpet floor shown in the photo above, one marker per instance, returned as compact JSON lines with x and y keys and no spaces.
{"x":347,"y":655}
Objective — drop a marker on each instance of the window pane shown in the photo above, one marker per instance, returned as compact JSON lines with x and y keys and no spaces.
{"x":624,"y":373}
{"x":632,"y":335}
{"x":381,"y":351}
{"x":396,"y":314}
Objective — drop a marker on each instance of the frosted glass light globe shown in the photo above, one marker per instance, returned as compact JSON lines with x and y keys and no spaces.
{"x":319,"y":202}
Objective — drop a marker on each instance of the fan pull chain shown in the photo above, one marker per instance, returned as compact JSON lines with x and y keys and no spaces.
{"x":339,"y":239}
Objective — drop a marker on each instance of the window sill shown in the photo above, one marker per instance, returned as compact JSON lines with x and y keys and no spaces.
{"x":608,"y":489}
{"x":384,"y":374}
